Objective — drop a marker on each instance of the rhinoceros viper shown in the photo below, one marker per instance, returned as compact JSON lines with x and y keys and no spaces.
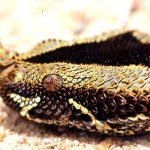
{"x":100,"y":84}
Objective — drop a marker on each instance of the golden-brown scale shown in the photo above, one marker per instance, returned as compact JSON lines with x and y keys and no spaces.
{"x":99,"y":97}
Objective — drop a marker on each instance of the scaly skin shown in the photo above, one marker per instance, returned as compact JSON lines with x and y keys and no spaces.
{"x":109,"y":99}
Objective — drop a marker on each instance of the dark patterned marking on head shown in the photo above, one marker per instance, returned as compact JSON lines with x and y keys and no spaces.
{"x":52,"y":82}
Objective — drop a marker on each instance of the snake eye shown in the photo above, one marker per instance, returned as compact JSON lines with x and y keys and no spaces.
{"x":52,"y":82}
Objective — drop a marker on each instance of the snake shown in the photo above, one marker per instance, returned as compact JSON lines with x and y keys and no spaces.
{"x":99,"y":84}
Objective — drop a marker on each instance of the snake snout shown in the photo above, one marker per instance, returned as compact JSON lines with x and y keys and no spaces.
{"x":10,"y":74}
{"x":5,"y":69}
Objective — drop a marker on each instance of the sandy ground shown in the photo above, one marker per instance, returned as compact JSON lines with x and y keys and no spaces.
{"x":24,"y":23}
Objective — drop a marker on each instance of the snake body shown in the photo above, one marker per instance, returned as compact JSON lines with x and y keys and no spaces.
{"x":99,"y":84}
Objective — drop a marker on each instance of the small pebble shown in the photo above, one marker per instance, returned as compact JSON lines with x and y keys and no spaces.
{"x":47,"y":140}
{"x":67,"y":142}
{"x":76,"y":142}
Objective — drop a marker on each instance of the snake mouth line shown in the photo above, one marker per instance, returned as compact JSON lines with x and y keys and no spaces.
{"x":120,"y":50}
{"x":20,"y":103}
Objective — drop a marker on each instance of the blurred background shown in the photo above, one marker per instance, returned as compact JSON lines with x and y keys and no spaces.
{"x":26,"y":22}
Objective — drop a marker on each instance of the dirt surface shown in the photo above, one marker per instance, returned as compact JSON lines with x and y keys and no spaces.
{"x":24,"y":23}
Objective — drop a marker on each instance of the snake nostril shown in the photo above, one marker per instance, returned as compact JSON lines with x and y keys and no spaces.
{"x":10,"y":72}
{"x":52,"y":82}
{"x":15,"y":76}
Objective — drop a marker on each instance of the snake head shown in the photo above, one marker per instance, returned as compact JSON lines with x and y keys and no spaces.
{"x":10,"y":77}
{"x":24,"y":86}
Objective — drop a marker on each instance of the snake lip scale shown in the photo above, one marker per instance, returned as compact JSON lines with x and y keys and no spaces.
{"x":99,"y":84}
